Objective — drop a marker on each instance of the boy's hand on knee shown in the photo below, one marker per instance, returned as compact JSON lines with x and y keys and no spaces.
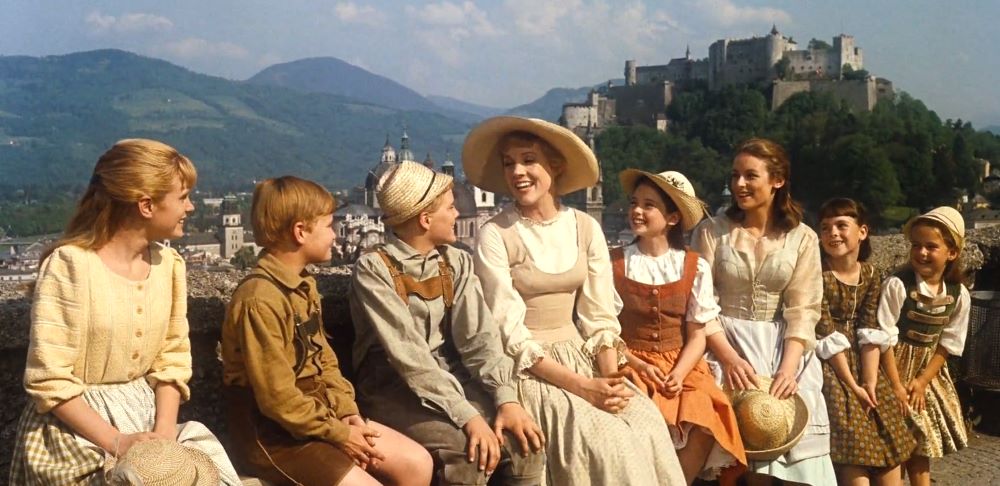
{"x":359,"y":447}
{"x":357,"y":421}
{"x":512,"y":417}
{"x":483,"y":444}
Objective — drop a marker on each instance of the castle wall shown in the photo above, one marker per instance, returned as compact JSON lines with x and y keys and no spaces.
{"x":860,"y":95}
{"x":640,"y":104}
{"x":812,"y":62}
{"x":578,"y":115}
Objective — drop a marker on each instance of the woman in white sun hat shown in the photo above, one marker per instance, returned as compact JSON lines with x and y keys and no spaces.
{"x":547,"y":277}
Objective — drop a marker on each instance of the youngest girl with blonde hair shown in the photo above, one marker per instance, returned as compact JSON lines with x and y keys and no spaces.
{"x":925,"y":311}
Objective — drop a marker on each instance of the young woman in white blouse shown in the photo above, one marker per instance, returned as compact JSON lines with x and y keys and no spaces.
{"x":109,"y":356}
{"x":546,"y":274}
{"x":766,"y":269}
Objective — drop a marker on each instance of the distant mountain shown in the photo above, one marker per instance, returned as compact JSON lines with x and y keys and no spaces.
{"x":450,"y":103}
{"x":334,"y":76}
{"x":59,"y":113}
{"x":994,"y":129}
{"x":549,"y":106}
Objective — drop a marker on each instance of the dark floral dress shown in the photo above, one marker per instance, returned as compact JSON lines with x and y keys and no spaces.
{"x":882,"y":437}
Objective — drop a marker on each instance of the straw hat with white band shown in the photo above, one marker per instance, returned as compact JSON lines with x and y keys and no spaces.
{"x":163,"y":462}
{"x":481,"y":157}
{"x":768,"y":425}
{"x":407,"y":189}
{"x":676,"y":186}
{"x":949,"y":217}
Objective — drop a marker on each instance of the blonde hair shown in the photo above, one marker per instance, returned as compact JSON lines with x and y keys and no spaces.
{"x":129,"y":171}
{"x":281,"y":202}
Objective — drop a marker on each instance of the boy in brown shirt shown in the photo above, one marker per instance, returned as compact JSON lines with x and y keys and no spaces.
{"x":427,"y":351}
{"x":293,"y":419}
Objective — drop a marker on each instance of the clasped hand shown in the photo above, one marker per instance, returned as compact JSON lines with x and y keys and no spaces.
{"x":609,"y":393}
{"x":360,"y":444}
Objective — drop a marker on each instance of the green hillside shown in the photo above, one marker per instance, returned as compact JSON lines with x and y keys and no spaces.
{"x":58,"y":113}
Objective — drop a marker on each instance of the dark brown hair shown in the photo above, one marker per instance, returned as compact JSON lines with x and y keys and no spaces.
{"x":842,"y":206}
{"x":786,"y":213}
{"x":675,"y":235}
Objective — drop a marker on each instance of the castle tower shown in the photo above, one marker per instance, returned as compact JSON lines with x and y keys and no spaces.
{"x":231,"y":229}
{"x":630,"y":73}
{"x":595,"y":195}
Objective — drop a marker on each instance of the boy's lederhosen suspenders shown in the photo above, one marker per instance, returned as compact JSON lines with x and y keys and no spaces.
{"x":305,"y":328}
{"x":442,"y":285}
{"x":922,"y":325}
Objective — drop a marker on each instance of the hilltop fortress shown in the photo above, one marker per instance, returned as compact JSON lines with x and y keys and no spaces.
{"x":773,"y":62}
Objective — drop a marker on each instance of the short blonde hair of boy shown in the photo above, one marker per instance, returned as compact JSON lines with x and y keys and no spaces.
{"x":281,"y":202}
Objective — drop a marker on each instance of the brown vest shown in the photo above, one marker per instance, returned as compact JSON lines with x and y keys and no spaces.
{"x":653,"y":316}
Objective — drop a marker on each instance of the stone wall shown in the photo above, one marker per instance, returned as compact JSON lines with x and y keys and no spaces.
{"x":860,"y":95}
{"x":209,"y":292}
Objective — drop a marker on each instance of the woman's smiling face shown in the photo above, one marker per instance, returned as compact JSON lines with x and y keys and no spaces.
{"x":751,"y":184}
{"x":529,"y":174}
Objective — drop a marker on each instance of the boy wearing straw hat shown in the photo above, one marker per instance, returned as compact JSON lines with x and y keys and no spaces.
{"x":427,"y":351}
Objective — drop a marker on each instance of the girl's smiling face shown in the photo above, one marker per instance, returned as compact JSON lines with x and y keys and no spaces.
{"x":751,"y":184}
{"x":930,"y":253}
{"x":841,"y":237}
{"x":648,"y":213}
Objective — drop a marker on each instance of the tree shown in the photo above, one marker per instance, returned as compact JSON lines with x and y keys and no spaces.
{"x":244,"y":258}
{"x":818,"y":45}
{"x":783,"y":68}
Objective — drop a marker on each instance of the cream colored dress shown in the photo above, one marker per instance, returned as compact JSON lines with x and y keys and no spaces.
{"x":771,"y":289}
{"x":109,"y":340}
{"x":534,"y":276}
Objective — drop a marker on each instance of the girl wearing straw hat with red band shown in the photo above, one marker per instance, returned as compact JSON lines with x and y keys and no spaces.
{"x":924,"y":310}
{"x":666,"y":298}
{"x":766,"y":268}
{"x":547,"y":279}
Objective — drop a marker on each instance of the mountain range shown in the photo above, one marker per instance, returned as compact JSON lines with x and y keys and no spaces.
{"x":320,"y":118}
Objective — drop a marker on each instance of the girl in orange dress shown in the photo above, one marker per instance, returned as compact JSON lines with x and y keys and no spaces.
{"x":667,"y":298}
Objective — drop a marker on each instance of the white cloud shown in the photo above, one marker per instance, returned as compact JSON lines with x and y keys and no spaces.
{"x":539,"y":18}
{"x":351,"y":12}
{"x":727,"y":13}
{"x":465,"y":16}
{"x":194,"y":48}
{"x":128,"y":23}
{"x":446,"y":26}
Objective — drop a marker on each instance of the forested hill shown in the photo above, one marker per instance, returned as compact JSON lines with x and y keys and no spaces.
{"x":898,"y":159}
{"x":58,"y":113}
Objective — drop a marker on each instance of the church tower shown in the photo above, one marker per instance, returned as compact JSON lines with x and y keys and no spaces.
{"x":231,"y":230}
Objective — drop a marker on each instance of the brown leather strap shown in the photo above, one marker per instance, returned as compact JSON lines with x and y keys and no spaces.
{"x":442,"y":285}
{"x":926,"y":319}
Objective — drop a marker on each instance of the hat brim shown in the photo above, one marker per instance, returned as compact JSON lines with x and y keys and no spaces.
{"x":691,"y":208}
{"x":207,"y":471}
{"x":481,"y":158}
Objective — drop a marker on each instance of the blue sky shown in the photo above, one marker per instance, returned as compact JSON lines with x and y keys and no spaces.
{"x":508,"y":52}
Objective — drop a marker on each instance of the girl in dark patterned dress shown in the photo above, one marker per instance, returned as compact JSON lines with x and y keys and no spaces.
{"x":869,"y":438}
{"x":925,"y":308}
